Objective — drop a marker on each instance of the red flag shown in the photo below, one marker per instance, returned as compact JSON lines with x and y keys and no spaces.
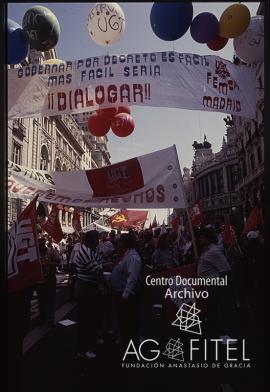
{"x":255,"y":218}
{"x":228,"y":234}
{"x":154,"y":223}
{"x":53,"y":225}
{"x":24,"y":268}
{"x":128,"y":219}
{"x":197,"y":215}
{"x":76,"y":222}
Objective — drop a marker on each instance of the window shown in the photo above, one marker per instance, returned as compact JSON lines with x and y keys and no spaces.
{"x":17,"y":153}
{"x":63,"y":216}
{"x":46,"y":124}
{"x":220,"y":183}
{"x":58,"y":139}
{"x":57,"y":165}
{"x":69,"y":218}
{"x":44,"y":158}
{"x":206,"y":186}
{"x":232,"y":176}
{"x":213,"y":183}
{"x":65,"y":147}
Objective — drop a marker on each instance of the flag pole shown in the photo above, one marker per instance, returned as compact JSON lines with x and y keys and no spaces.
{"x":187,"y":210}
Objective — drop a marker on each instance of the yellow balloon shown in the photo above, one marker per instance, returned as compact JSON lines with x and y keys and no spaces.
{"x":54,"y":61}
{"x":234,"y":21}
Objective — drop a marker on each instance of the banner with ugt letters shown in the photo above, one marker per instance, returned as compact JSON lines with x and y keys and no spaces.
{"x":163,"y":79}
{"x":149,"y":181}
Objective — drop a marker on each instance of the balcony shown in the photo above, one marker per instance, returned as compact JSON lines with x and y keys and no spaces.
{"x":258,"y":171}
{"x":72,"y":129}
{"x":19,"y":127}
{"x":226,"y":200}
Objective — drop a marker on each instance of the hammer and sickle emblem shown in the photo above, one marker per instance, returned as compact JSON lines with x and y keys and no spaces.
{"x":119,"y":218}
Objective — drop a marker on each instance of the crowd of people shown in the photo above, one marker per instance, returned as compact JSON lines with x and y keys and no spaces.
{"x":107,"y":277}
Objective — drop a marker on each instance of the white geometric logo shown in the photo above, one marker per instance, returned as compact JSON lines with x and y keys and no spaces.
{"x":174,"y":350}
{"x":188,"y":319}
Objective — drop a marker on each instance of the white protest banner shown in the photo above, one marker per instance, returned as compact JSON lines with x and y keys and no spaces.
{"x":149,"y":181}
{"x":163,"y":79}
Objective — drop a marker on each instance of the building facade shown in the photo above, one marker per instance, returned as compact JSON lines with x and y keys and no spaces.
{"x":53,"y":143}
{"x":214,"y":178}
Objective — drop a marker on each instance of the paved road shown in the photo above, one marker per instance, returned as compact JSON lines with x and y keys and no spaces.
{"x":62,"y":296}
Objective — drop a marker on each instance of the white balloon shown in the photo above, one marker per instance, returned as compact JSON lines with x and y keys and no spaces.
{"x":106,"y":23}
{"x":249,"y":46}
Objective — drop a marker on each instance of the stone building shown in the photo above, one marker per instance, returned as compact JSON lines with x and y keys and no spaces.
{"x":99,"y":151}
{"x":53,"y":143}
{"x":214,"y":179}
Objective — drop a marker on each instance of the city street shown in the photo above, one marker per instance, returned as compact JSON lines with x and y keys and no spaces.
{"x":135,"y":218}
{"x":62,"y":296}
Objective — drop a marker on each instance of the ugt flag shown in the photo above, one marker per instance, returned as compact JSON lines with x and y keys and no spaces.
{"x":128,"y":219}
{"x":24,"y":268}
{"x":255,"y":218}
{"x":53,"y":225}
{"x":197,"y":215}
{"x":146,"y":182}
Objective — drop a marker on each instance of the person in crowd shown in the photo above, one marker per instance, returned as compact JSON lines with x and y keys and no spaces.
{"x":156,"y":235}
{"x":63,"y":256}
{"x":163,"y":254}
{"x":118,"y":234}
{"x":112,"y":238}
{"x":72,"y":272}
{"x":187,"y":250}
{"x":88,"y":294}
{"x":46,"y":290}
{"x":106,"y":250}
{"x":146,"y":247}
{"x":176,"y":252}
{"x":220,"y":243}
{"x":71,"y":240}
{"x":126,"y":283}
{"x":212,"y":264}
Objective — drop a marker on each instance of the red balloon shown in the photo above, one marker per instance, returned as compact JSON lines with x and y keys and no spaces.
{"x":218,"y":43}
{"x":122,"y":124}
{"x":108,"y":112}
{"x":98,"y":124}
{"x":124,"y":109}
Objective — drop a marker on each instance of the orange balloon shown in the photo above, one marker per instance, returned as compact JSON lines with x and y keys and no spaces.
{"x":234,"y":21}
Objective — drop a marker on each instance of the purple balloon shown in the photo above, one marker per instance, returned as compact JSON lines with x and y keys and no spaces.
{"x":204,"y":28}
